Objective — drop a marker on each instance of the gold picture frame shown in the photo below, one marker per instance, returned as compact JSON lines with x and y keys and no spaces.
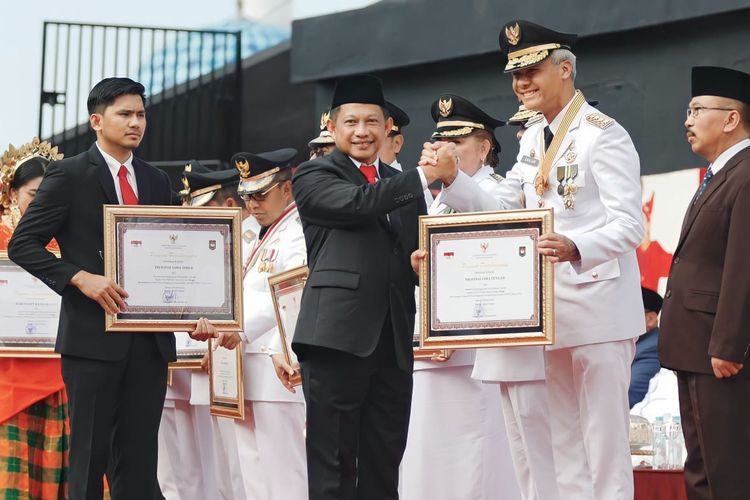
{"x":230,"y":361}
{"x":189,"y":352}
{"x":177,"y":253}
{"x":484,"y":259}
{"x":286,"y":292}
{"x":27,"y":310}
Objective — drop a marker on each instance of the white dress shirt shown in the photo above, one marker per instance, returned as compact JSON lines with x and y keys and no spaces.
{"x":114,"y":169}
{"x":422,"y":177}
{"x":727,"y":155}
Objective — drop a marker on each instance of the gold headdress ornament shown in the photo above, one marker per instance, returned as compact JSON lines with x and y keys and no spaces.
{"x":243,"y":166}
{"x":14,"y":157}
{"x":324,"y":120}
{"x":185,"y":181}
{"x":513,"y":34}
{"x":445,"y":106}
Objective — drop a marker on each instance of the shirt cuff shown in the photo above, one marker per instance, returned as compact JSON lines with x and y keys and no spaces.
{"x":422,"y":178}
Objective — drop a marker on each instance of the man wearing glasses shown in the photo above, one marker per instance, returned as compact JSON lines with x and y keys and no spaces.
{"x":704,"y":335}
{"x":269,"y":442}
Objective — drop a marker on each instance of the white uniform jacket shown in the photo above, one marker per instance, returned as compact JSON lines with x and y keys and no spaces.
{"x":597,"y":299}
{"x":281,"y":249}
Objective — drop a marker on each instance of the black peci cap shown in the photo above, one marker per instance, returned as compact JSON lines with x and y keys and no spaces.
{"x":652,"y":301}
{"x":721,"y":82}
{"x":361,"y":89}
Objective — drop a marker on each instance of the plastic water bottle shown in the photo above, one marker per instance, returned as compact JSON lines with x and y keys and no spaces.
{"x":660,"y":444}
{"x":676,"y":444}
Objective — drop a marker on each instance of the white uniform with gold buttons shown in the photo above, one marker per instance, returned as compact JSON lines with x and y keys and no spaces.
{"x":270,"y":441}
{"x":456,"y":447}
{"x":598,"y":305}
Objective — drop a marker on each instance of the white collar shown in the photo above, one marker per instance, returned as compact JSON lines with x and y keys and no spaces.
{"x":724,"y":157}
{"x":557,"y":119}
{"x":483,"y":172}
{"x":395,"y":164}
{"x":114,"y":165}
{"x":359,"y":163}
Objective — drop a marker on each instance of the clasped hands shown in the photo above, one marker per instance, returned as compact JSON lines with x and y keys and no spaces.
{"x":439,"y":162}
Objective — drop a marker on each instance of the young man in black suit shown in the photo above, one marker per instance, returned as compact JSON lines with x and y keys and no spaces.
{"x":354,"y":331}
{"x":116,"y":382}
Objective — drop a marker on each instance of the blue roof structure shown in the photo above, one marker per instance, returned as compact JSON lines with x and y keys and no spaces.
{"x":186,"y":55}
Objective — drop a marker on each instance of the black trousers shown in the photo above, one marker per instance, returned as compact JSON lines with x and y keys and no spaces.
{"x":715,"y":417}
{"x":115,"y":409}
{"x":357,"y":421}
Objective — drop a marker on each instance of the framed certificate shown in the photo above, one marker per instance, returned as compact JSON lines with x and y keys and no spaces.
{"x":29,"y":312}
{"x":177,"y":264}
{"x":286,"y":291}
{"x":483,"y":283}
{"x":227,"y":395}
{"x":189,"y":352}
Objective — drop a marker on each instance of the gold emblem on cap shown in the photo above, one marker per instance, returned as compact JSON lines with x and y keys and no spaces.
{"x":513,"y":34}
{"x":324,"y":120}
{"x":445,"y":106}
{"x":243,"y":166}
{"x":186,"y":183}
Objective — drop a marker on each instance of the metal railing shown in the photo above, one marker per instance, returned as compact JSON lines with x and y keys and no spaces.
{"x":193,"y":82}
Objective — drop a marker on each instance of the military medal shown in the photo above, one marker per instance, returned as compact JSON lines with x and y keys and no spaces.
{"x":566,"y":187}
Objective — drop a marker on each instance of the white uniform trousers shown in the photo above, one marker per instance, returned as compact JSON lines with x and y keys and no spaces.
{"x":265,"y":452}
{"x":456,"y":448}
{"x":239,"y":474}
{"x":588,"y":394}
{"x":526,"y":415}
{"x":185,"y":470}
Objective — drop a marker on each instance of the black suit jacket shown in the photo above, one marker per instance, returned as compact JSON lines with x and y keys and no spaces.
{"x":68,"y":207}
{"x":359,"y":240}
{"x":706,"y":309}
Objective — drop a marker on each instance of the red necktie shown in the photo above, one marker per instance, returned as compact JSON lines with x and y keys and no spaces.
{"x":128,"y":195}
{"x":370,"y":173}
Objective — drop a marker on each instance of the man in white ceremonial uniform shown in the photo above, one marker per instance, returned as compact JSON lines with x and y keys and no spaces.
{"x":272,"y":433}
{"x":519,"y":374}
{"x":584,"y":166}
{"x":184,"y":471}
{"x":456,"y":447}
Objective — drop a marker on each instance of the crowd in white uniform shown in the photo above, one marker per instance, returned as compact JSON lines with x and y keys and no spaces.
{"x":501,"y":423}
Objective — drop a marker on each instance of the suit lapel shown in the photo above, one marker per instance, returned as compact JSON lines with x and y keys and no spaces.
{"x":394,"y":224}
{"x":144,"y":186}
{"x":348,"y":167}
{"x":713,"y":186}
{"x":105,"y":175}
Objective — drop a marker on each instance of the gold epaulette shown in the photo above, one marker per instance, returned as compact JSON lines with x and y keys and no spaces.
{"x":497,"y":177}
{"x":599,"y":120}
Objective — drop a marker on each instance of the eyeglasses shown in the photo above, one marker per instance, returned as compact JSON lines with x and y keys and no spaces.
{"x":260,"y":197}
{"x":696,"y":111}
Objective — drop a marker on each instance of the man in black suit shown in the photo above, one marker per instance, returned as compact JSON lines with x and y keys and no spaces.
{"x":353,"y":335}
{"x":116,"y":382}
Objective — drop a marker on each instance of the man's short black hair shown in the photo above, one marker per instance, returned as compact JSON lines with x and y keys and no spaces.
{"x":108,"y":90}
